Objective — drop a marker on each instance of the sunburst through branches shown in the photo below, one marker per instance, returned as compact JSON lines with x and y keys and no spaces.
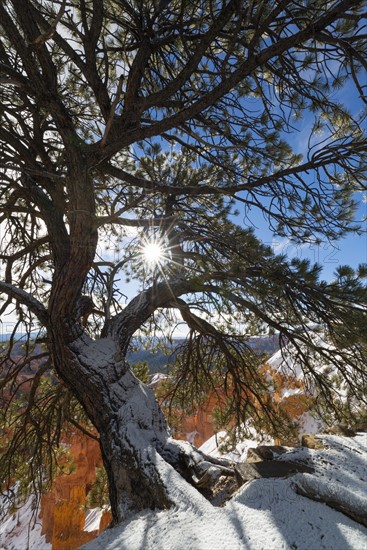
{"x":152,"y":253}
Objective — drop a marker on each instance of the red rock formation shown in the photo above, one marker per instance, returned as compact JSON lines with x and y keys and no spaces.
{"x":289,"y":393}
{"x":199,"y":427}
{"x":63,"y":509}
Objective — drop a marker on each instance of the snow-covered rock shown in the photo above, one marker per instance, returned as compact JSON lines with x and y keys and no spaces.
{"x":264,"y":514}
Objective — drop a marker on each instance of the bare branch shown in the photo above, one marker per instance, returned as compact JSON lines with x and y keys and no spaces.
{"x":26,"y":299}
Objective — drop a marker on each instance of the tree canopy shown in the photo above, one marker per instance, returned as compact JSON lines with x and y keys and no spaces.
{"x":175,"y":123}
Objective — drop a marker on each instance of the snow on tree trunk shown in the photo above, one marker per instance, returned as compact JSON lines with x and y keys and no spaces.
{"x":130,"y":434}
{"x":128,"y":419}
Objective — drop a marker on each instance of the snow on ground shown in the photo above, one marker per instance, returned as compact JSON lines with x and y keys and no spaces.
{"x":92,"y":519}
{"x":340,"y":472}
{"x":214,"y":444}
{"x":284,"y":361}
{"x":264,"y":514}
{"x":21,"y":531}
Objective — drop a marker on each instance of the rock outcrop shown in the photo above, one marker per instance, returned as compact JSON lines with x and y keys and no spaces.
{"x":63,"y":509}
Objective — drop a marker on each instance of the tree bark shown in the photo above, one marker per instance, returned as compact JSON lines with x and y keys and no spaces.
{"x":127,"y":416}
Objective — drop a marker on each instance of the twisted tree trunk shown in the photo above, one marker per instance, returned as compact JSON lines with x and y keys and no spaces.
{"x":137,"y":450}
{"x":128,"y":419}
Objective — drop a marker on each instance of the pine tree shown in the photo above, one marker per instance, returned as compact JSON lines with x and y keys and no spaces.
{"x":130,"y":123}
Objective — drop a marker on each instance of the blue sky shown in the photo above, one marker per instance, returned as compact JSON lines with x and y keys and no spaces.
{"x":351,"y":250}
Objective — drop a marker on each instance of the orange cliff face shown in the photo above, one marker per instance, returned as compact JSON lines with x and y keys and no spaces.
{"x":199,"y":427}
{"x":289,"y":393}
{"x":63,"y":510}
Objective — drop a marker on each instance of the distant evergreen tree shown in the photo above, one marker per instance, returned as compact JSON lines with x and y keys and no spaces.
{"x":141,"y":371}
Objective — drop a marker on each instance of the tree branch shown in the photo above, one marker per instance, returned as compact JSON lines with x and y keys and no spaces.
{"x":120,"y":136}
{"x":320,"y":159}
{"x":138,"y":222}
{"x":26,"y":299}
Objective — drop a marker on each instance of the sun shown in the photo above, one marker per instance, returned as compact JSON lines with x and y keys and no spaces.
{"x":152,"y":253}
